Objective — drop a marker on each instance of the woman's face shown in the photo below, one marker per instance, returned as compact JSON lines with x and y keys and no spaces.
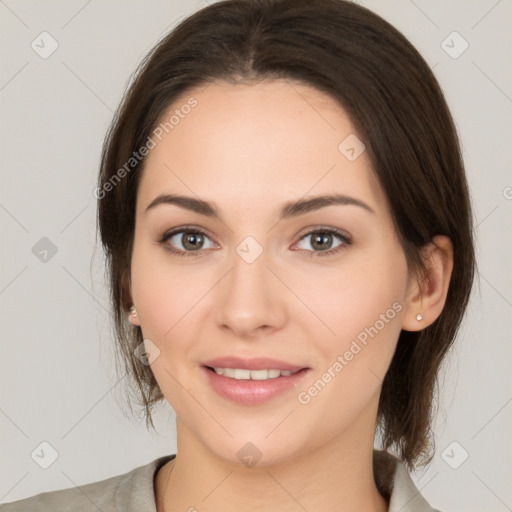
{"x":275,"y":279}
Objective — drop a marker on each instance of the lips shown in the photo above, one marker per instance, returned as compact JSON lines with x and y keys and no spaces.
{"x":260,"y":363}
{"x":252,"y":381}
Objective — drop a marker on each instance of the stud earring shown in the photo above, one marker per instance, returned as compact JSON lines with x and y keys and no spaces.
{"x":133,"y":312}
{"x":419,"y":317}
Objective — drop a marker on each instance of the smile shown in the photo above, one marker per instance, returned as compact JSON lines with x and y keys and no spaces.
{"x":250,"y":386}
{"x":243,"y":374}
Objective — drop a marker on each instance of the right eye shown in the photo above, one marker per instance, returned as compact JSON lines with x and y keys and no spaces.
{"x":186,"y":242}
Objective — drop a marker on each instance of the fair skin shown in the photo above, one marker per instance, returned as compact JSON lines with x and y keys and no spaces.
{"x":248,"y":149}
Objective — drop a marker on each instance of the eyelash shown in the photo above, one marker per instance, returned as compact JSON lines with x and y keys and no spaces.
{"x":345,"y":239}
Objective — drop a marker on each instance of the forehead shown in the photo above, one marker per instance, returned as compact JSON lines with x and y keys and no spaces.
{"x":271,"y":140}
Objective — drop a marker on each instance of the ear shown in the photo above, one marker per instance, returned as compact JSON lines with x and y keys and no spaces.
{"x":427,"y":295}
{"x":127,"y":292}
{"x":133,"y":318}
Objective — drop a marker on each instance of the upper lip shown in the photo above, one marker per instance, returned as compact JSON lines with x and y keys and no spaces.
{"x":258,"y":363}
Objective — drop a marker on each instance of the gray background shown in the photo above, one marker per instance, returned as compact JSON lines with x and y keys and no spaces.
{"x":58,"y":381}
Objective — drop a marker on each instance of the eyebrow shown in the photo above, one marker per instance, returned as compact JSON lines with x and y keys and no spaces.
{"x":287,"y":210}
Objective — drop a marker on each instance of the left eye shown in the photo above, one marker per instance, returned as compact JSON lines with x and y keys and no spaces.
{"x":323,"y":241}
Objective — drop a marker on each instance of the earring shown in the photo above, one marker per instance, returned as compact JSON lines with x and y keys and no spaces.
{"x":419,"y":317}
{"x":133,"y":312}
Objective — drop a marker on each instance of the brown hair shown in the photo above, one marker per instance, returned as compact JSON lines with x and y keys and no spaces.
{"x":397,"y":108}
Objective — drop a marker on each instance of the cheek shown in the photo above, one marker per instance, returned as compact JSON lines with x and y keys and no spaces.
{"x":364,"y":311}
{"x":165,"y":296}
{"x":362,"y":303}
{"x":163,"y":291}
{"x":361,"y":295}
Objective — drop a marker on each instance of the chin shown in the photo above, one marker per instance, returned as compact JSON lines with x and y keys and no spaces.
{"x":259,"y":448}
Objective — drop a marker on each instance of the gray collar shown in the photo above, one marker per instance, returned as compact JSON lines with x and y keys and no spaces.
{"x":391,"y":476}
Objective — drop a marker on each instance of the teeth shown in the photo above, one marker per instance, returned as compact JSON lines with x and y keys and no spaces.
{"x":239,"y":374}
{"x":259,"y":374}
{"x":242,"y":374}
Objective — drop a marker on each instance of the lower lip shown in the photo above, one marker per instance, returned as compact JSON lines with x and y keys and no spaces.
{"x":252,"y":392}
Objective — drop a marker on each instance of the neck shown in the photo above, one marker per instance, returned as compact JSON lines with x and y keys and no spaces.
{"x":337,"y":476}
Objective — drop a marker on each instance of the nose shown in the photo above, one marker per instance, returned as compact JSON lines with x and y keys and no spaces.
{"x":251,"y":299}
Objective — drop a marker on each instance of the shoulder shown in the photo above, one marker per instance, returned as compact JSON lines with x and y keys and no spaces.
{"x":394,"y":481}
{"x":131,"y":491}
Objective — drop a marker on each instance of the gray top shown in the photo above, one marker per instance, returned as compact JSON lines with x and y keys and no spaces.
{"x":134,"y":491}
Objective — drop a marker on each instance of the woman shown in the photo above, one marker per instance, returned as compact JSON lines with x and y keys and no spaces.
{"x":287,"y":225}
